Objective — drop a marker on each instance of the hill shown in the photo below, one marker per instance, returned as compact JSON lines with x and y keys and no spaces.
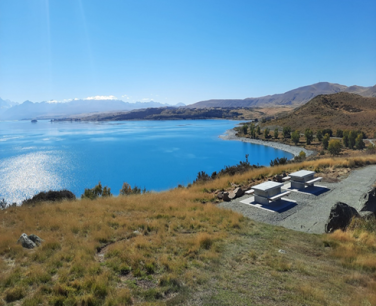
{"x":293,"y":97}
{"x":178,"y":248}
{"x":342,"y":110}
{"x":46,"y":110}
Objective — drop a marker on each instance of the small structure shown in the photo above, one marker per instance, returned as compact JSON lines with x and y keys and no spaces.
{"x":303,"y":178}
{"x":268,"y":191}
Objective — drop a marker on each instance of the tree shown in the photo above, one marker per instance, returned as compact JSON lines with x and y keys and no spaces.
{"x":286,"y":132}
{"x":325,"y":141}
{"x":266,"y":133}
{"x":334,"y":147}
{"x":352,"y":138}
{"x":295,"y":136}
{"x":339,"y":133}
{"x":319,"y":135}
{"x":245,"y":128}
{"x":309,"y":136}
{"x":125,"y":189}
{"x":276,"y":133}
{"x":345,"y":139}
{"x":359,"y":143}
{"x":258,"y":130}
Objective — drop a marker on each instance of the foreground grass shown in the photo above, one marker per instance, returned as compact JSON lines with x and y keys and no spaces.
{"x":176,"y":248}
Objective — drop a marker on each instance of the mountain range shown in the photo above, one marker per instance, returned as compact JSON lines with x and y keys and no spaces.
{"x":293,"y":97}
{"x":46,"y":110}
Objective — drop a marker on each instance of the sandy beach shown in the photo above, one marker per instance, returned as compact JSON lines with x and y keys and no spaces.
{"x":230,"y":135}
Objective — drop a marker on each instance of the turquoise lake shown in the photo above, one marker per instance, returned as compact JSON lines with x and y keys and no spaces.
{"x":157,"y":155}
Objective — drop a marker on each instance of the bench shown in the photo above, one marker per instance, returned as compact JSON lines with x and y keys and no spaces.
{"x":278,"y":196}
{"x":251,"y":191}
{"x":287,"y":178}
{"x":311,"y":182}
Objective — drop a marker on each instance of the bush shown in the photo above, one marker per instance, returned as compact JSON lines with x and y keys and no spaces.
{"x":339,"y":133}
{"x":334,"y":147}
{"x":278,"y":161}
{"x":126,"y":189}
{"x":95,"y":192}
{"x":50,"y":196}
{"x":300,"y":157}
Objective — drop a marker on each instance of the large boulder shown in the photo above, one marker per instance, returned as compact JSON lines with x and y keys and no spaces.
{"x":26,"y":242}
{"x":340,"y":217}
{"x":370,"y":201}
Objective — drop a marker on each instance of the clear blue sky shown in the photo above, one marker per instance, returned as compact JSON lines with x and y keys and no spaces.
{"x":182,"y":51}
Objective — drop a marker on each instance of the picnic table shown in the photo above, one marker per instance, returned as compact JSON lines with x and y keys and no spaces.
{"x":268,"y":191}
{"x":303,"y":178}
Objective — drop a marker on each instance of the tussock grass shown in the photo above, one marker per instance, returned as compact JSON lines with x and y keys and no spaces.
{"x":148,"y":248}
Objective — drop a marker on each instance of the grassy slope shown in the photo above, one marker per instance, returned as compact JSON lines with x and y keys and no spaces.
{"x":337,"y":111}
{"x":184,"y":252}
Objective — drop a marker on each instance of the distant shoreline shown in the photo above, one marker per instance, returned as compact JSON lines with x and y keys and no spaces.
{"x":231,"y":135}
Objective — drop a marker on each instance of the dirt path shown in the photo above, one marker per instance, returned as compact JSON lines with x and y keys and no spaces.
{"x":312,"y":208}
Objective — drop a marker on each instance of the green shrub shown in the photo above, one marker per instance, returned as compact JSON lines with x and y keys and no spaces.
{"x":334,"y":147}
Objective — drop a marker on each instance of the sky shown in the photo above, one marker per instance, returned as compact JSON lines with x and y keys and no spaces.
{"x":173,"y":51}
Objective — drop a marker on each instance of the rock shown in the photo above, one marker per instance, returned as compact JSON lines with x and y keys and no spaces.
{"x":226,"y":196}
{"x":238,"y":192}
{"x":340,"y":217}
{"x":220,"y":195}
{"x":136,"y":233}
{"x":35,"y":239}
{"x":277,"y":178}
{"x":231,"y":195}
{"x":26,"y":242}
{"x":369,"y":201}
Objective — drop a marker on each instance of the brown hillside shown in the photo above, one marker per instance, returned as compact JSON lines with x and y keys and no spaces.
{"x":336,"y":111}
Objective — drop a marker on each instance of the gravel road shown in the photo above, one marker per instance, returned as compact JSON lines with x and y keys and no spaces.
{"x":312,"y":207}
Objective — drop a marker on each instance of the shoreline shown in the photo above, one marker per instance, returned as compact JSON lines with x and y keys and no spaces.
{"x":230,"y":135}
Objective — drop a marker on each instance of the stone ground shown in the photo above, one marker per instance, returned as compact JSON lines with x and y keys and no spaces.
{"x":312,"y":208}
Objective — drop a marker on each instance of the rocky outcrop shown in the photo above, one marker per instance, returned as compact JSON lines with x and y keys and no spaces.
{"x":340,"y":217}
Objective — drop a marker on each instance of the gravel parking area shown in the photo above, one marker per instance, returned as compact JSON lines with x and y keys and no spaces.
{"x":313,"y":206}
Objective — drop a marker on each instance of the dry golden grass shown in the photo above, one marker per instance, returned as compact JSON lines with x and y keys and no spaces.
{"x":146,"y":248}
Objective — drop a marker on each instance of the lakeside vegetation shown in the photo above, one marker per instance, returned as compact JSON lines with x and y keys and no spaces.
{"x":177,"y":246}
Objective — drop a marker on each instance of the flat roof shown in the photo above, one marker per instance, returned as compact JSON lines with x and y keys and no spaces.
{"x":267,"y":185}
{"x":302,"y":173}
